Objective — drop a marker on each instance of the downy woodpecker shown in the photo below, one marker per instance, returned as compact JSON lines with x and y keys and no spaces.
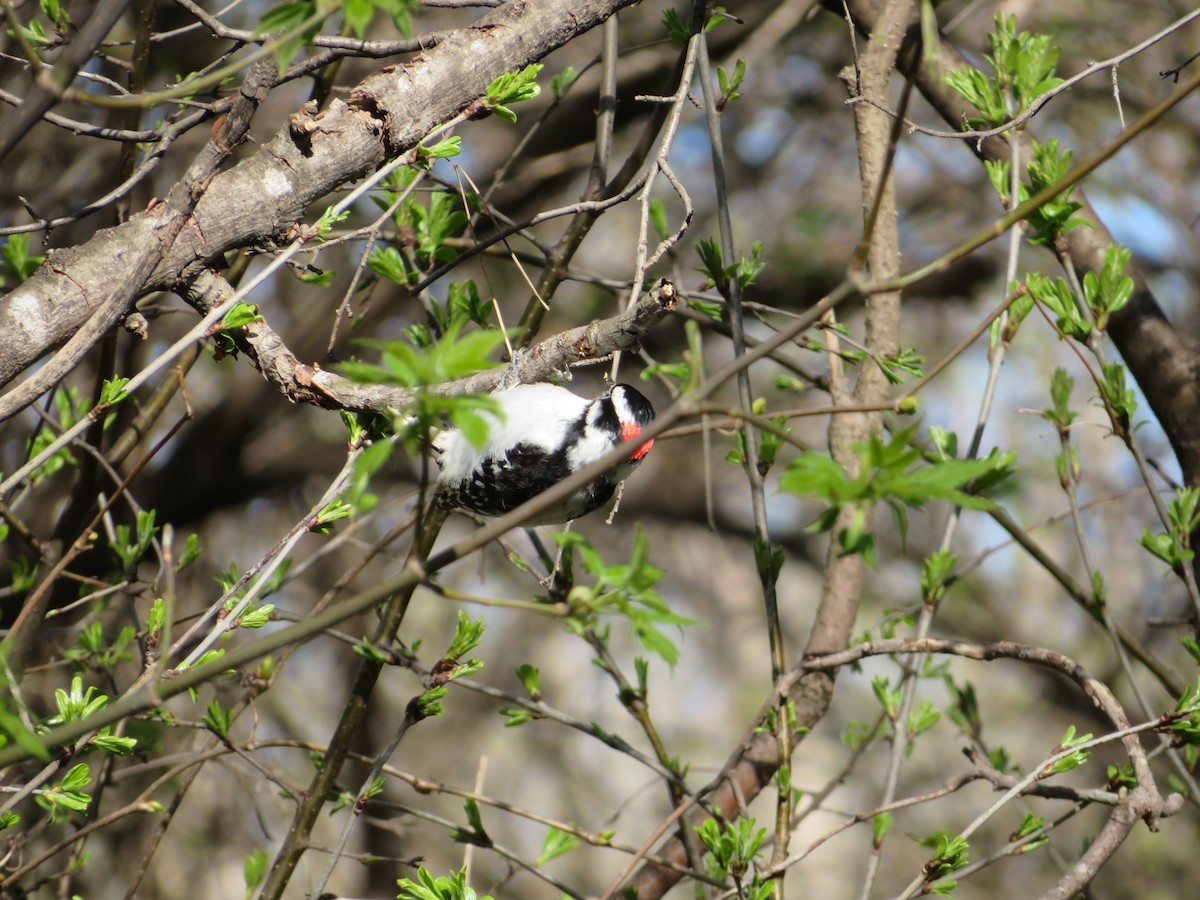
{"x":544,"y":434}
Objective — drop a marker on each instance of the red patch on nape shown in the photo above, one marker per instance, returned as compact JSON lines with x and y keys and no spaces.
{"x":631,"y":430}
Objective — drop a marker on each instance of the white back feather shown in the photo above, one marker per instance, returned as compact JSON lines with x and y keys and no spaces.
{"x":537,"y":414}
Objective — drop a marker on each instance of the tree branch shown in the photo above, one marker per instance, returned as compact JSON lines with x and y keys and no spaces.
{"x":304,"y":383}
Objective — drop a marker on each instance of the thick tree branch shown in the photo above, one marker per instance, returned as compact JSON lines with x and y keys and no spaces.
{"x":304,"y":383}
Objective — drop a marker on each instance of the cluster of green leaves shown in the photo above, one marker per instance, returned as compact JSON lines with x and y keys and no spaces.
{"x":294,"y":23}
{"x":16,"y":265}
{"x":442,"y":887}
{"x":1022,"y":67}
{"x":1109,"y":290}
{"x":856,"y":733}
{"x":451,"y":666}
{"x":1185,"y":722}
{"x":896,"y":368}
{"x":232,"y":323}
{"x":890,"y":473}
{"x":130,"y":548}
{"x":1118,"y":398}
{"x":919,"y":720}
{"x":625,"y":590}
{"x":680,"y":30}
{"x":463,"y":302}
{"x":1073,"y":760}
{"x":91,"y":649}
{"x":67,"y":794}
{"x":731,"y":850}
{"x":728,"y":84}
{"x":1183,"y":518}
{"x":771,"y":442}
{"x":512,"y":87}
{"x":719,"y":274}
{"x":72,"y":705}
{"x":454,"y":355}
{"x":425,"y":227}
{"x":1054,"y":218}
{"x":475,"y":833}
{"x":950,"y":853}
{"x":77,"y":703}
{"x":1104,"y":293}
{"x":530,"y":678}
{"x":1060,"y":415}
{"x":936,"y":572}
{"x":71,"y":408}
{"x":299,"y":20}
{"x":34,"y":33}
{"x":1030,"y":825}
{"x":359,"y":14}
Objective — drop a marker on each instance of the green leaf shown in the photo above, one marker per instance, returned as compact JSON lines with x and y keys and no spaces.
{"x":922,"y":719}
{"x":1109,"y":290}
{"x":658,"y":218}
{"x":1060,"y":412}
{"x":529,"y":676}
{"x":256,"y":618}
{"x":239,"y":316}
{"x":218,"y":719}
{"x":15,"y":261}
{"x":111,"y":743}
{"x":467,"y":636}
{"x":289,"y":18}
{"x":387,"y":262}
{"x":677,"y":30}
{"x":881,"y":824}
{"x":514,"y":716}
{"x":400,"y":12}
{"x":331,"y":512}
{"x":254,"y":870}
{"x":13,"y":727}
{"x":562,"y":81}
{"x":358,"y":15}
{"x":556,"y":844}
{"x":935,"y":572}
{"x":443,"y":149}
{"x":626,"y":591}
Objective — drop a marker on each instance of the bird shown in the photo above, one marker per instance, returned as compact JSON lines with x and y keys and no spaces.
{"x":542,"y":434}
